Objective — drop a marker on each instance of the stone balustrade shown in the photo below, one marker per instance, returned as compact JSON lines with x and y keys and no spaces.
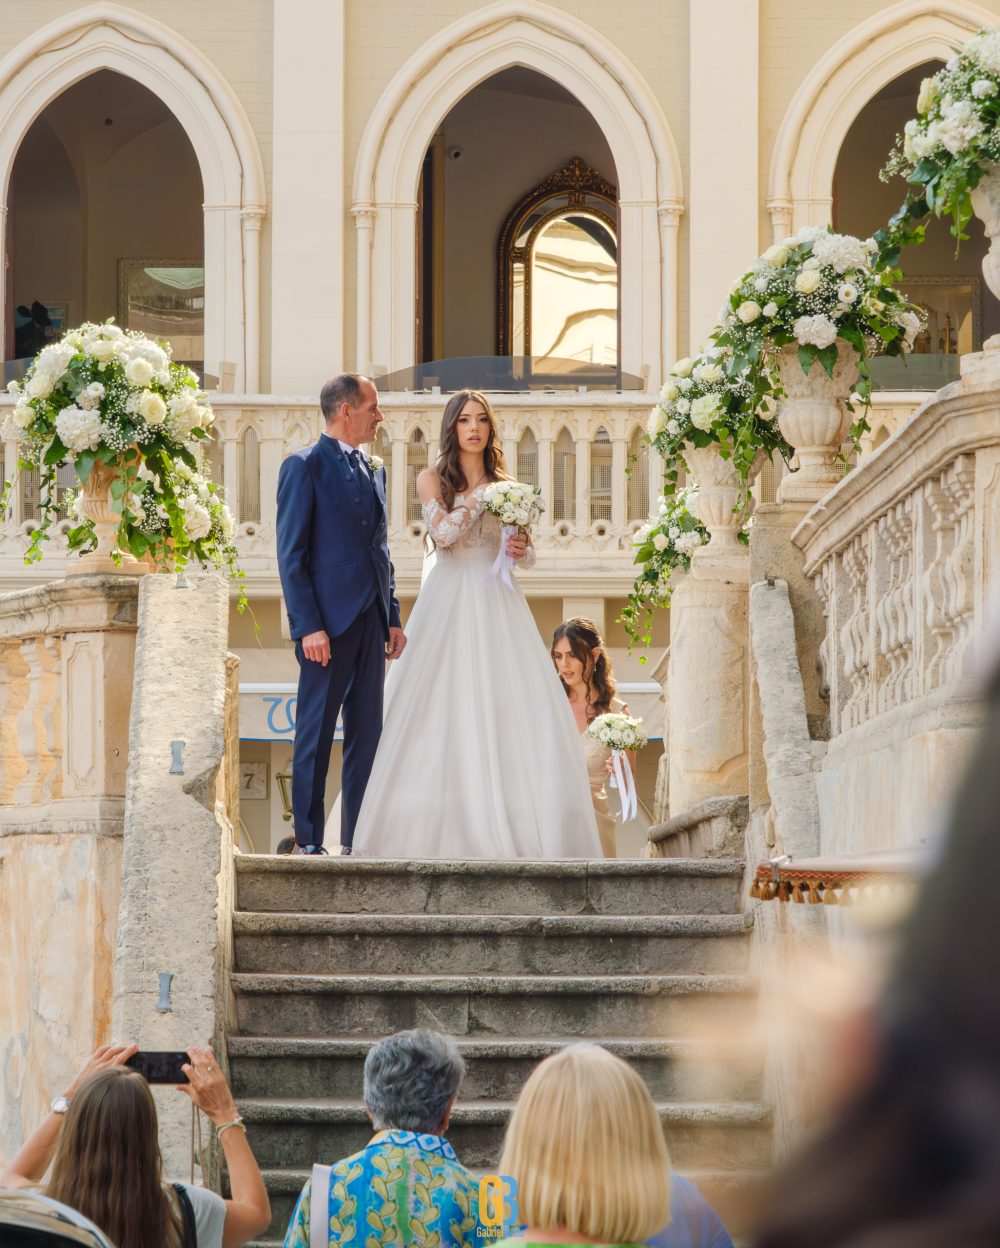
{"x":904,"y":557}
{"x":585,"y":451}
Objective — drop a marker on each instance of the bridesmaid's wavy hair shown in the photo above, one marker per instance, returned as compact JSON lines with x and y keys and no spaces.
{"x":583,"y":639}
{"x":449,"y":466}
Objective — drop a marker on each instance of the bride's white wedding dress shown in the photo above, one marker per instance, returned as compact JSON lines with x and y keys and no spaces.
{"x":480,"y":756}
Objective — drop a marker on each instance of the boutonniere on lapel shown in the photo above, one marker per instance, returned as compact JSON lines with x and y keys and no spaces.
{"x":374,"y":462}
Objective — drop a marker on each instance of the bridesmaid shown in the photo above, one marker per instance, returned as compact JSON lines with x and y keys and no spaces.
{"x":585,"y":670}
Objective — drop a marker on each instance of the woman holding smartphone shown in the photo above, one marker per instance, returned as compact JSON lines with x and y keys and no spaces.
{"x":101,"y":1140}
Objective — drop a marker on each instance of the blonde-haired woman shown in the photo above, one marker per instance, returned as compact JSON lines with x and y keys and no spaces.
{"x":586,"y":1149}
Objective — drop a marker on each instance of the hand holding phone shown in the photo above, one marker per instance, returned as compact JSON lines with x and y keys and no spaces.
{"x":159,"y":1066}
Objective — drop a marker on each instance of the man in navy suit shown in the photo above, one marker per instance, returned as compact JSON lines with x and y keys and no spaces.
{"x":339,"y":588}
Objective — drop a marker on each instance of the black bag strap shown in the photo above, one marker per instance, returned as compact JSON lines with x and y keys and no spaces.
{"x":187,"y":1216}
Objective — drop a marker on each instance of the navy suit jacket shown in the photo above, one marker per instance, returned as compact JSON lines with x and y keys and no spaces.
{"x":333,"y":551}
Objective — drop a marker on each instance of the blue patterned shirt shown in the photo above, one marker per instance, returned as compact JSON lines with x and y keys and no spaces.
{"x":403,"y":1189}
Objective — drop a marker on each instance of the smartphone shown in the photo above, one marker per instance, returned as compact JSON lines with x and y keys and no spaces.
{"x":159,"y":1067}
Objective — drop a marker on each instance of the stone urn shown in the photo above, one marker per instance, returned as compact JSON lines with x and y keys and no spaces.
{"x":814,"y":420}
{"x":95,"y":505}
{"x":986,"y":205}
{"x":718,"y":492}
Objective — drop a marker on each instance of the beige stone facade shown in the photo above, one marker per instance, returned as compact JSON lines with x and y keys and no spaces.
{"x":324,"y":133}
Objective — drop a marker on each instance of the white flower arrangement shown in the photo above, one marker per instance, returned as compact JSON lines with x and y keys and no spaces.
{"x":513,"y":503}
{"x":946,"y":148}
{"x":620,"y":734}
{"x":819,"y":289}
{"x":375,"y":463}
{"x":102,"y":395}
{"x":663,"y":547}
{"x":617,"y":731}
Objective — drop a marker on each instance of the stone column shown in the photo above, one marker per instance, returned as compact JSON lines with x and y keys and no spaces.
{"x":546,"y":482}
{"x":582,"y":484}
{"x":66,"y":660}
{"x":709,"y":677}
{"x":619,"y":484}
{"x":723,"y":197}
{"x":397,"y":504}
{"x":176,"y":859}
{"x":308,"y":196}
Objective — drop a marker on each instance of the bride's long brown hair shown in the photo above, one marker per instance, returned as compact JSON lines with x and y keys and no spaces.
{"x":584,"y":639}
{"x":108,"y":1165}
{"x":449,"y":464}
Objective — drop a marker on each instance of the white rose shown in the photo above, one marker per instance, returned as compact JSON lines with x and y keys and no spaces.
{"x":673,"y":428}
{"x":808,"y":282}
{"x":983,"y":87}
{"x":682,"y":368}
{"x":708,"y":374}
{"x":760,"y":284}
{"x":749,"y":311}
{"x":104,"y":350}
{"x":704,"y":410}
{"x":152,"y":408}
{"x":770,"y":309}
{"x":139,"y":372}
{"x":660,"y":541}
{"x":927,"y":95}
{"x":24,"y":414}
{"x":657,"y":422}
{"x":41,"y":385}
{"x":776,"y":256}
{"x":668,"y":392}
{"x":683,"y":406}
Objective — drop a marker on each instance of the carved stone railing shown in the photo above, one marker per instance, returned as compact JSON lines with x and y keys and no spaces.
{"x":585,"y":451}
{"x":904,"y":555}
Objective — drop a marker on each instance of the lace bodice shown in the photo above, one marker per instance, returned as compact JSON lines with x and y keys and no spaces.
{"x":468,"y":526}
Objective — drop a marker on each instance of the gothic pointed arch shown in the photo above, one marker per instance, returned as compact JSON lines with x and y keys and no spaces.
{"x":106,"y":36}
{"x":856,"y":67}
{"x":464,"y":54}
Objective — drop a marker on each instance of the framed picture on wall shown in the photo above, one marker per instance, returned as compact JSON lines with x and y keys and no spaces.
{"x":954,"y":310}
{"x":165,"y":298}
{"x":38,"y":323}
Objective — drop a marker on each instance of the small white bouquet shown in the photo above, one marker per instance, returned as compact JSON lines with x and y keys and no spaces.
{"x":620,"y":733}
{"x":517,"y":506}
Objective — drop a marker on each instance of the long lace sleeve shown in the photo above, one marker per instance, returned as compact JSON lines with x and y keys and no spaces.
{"x":529,"y":558}
{"x":446,"y":527}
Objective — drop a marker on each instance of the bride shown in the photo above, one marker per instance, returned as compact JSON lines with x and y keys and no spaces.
{"x":479,"y":755}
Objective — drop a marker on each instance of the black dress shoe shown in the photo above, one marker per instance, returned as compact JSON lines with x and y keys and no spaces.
{"x":309,"y":849}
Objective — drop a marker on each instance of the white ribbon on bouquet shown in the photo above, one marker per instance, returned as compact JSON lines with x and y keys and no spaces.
{"x":503,"y":563}
{"x":623,"y":780}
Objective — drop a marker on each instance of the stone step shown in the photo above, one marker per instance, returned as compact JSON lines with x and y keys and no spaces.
{"x":392,"y":944}
{"x":495,"y":1005}
{"x":362,"y":886}
{"x":726,"y":1192}
{"x":295,"y":1133}
{"x":495,"y":1069}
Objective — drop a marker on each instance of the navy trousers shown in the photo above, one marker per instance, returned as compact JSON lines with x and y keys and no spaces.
{"x":353,"y":680}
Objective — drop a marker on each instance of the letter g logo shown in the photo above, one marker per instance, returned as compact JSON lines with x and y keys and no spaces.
{"x":498,"y":1202}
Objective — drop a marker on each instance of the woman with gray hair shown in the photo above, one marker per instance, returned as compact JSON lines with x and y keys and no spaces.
{"x":408,"y":1173}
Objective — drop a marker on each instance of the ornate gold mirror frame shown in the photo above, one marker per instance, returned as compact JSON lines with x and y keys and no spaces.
{"x":575,"y":187}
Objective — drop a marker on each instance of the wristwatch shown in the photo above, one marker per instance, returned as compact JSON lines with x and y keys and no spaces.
{"x":60,"y":1105}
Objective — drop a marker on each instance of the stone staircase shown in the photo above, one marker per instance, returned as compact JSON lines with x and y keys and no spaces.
{"x":514,"y":959}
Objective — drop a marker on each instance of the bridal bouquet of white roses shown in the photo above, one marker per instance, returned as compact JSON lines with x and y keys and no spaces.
{"x":517,"y":506}
{"x":132,"y":423}
{"x":620,"y":733}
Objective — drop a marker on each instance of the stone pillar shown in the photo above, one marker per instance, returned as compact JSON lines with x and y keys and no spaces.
{"x":723,"y":196}
{"x":66,"y":658}
{"x":619,"y":484}
{"x":582,"y":503}
{"x":708,"y":680}
{"x":176,"y":859}
{"x":308,"y":196}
